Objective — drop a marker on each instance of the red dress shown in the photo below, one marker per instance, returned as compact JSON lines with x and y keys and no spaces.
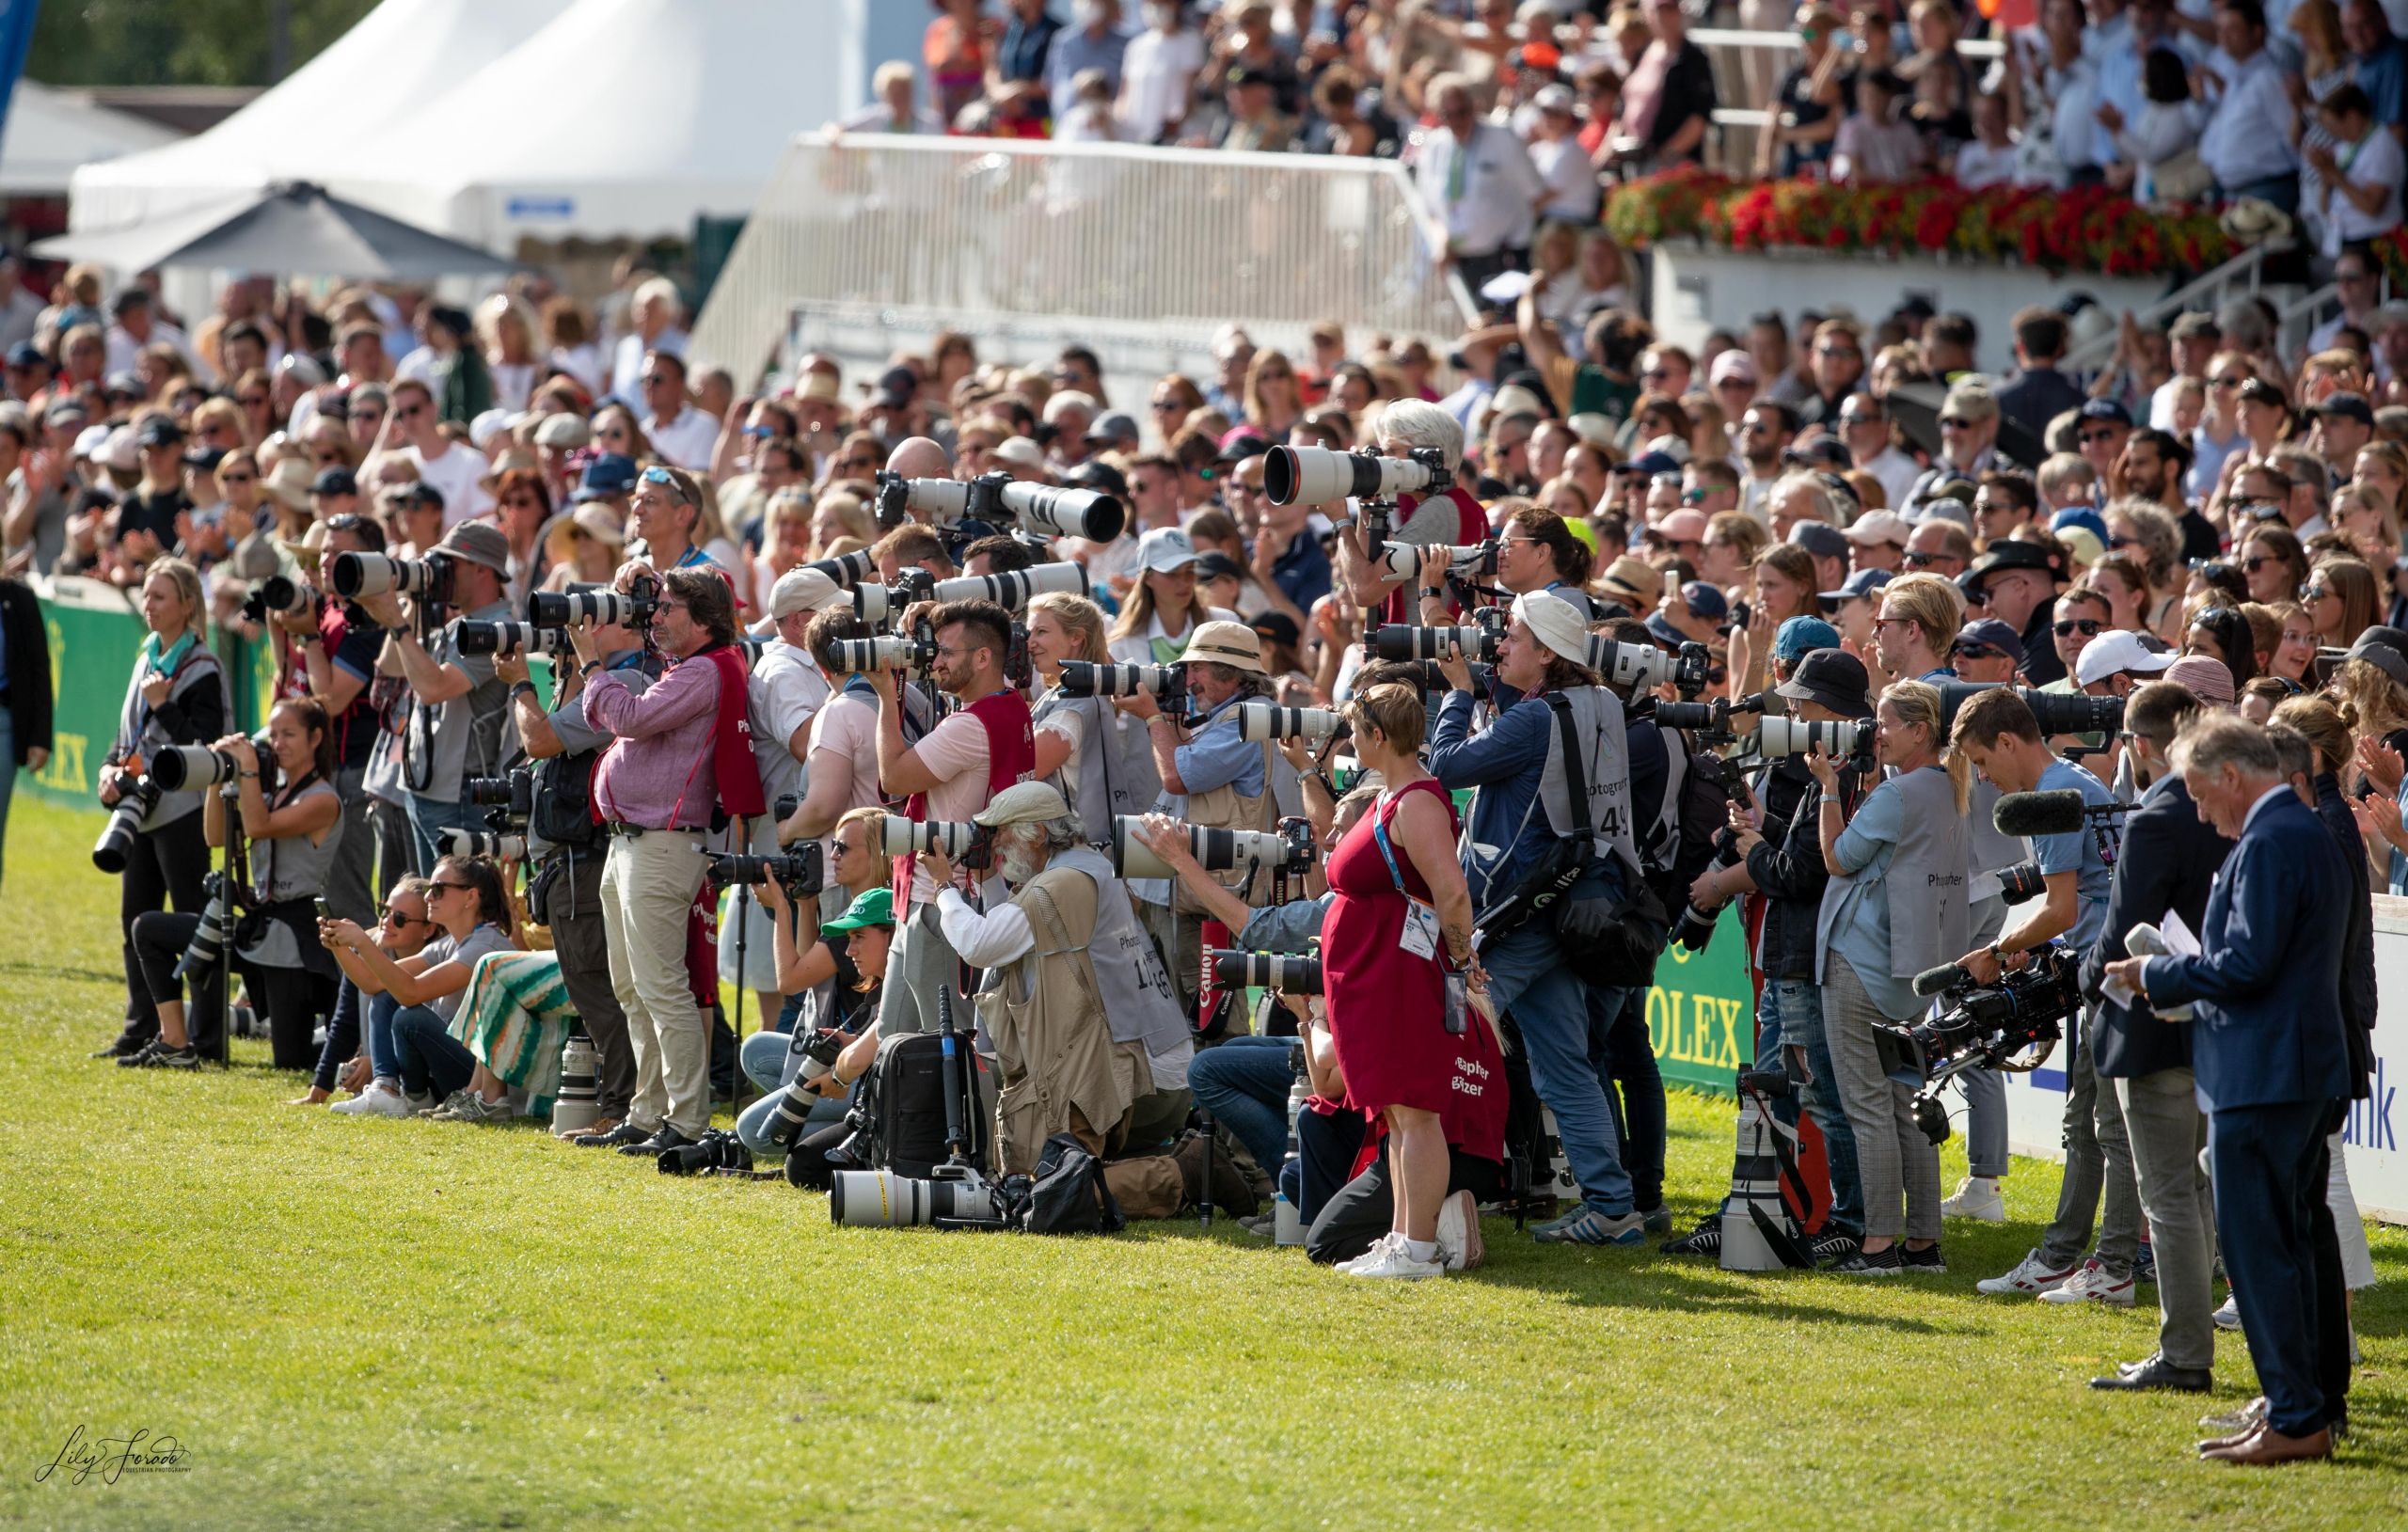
{"x":1387,"y":1008}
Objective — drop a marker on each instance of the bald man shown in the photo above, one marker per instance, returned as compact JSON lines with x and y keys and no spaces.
{"x":917,"y":457}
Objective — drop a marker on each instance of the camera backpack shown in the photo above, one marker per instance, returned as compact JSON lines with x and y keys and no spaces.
{"x":905,"y":1093}
{"x":1067,"y":1194}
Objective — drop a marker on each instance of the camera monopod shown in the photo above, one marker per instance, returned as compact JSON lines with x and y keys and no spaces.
{"x":963,"y":1134}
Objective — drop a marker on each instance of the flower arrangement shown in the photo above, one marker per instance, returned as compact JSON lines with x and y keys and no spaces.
{"x":2083,"y":229}
{"x":2392,"y":250}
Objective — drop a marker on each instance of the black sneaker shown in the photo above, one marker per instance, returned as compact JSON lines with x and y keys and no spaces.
{"x":1831,"y":1248}
{"x":186,"y":1057}
{"x":124,"y":1046}
{"x":1705,"y":1240}
{"x":140,"y":1058}
{"x":1887,"y":1263}
{"x":1923,"y":1260}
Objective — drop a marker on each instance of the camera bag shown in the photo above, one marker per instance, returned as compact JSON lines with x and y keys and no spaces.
{"x":1067,"y":1193}
{"x":905,"y":1093}
{"x":1608,"y":941}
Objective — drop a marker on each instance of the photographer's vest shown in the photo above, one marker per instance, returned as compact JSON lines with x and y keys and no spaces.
{"x":1113,"y":770}
{"x":488,"y":708}
{"x":1138,"y":999}
{"x":1226,"y":807}
{"x":1926,"y":883}
{"x":1045,"y":1014}
{"x":141,"y":733}
{"x":1012,"y":757}
{"x":1597,"y":719}
{"x":287,"y":873}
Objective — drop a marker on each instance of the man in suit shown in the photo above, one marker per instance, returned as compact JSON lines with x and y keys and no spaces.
{"x":2168,"y":860}
{"x":24,"y":689}
{"x":2271,"y":1062}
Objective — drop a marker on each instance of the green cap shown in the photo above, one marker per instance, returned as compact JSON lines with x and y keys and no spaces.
{"x":876,"y":908}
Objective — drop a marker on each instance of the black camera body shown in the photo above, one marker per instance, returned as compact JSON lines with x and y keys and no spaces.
{"x":114,"y":850}
{"x":279,"y":596}
{"x":1696,"y":926}
{"x":800,"y":872}
{"x":510,"y":799}
{"x":717,"y":1150}
{"x":585,"y":604}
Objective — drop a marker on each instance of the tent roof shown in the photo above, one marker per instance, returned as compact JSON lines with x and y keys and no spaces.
{"x":378,"y":75}
{"x":52,"y":132}
{"x":622,"y":117}
{"x":295,"y":228}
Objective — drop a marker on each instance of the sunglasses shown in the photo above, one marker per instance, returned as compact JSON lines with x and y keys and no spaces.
{"x":455,"y":887}
{"x":1165,"y":404}
{"x":1696,"y":496}
{"x":658,"y":475}
{"x":1921,"y":560}
{"x":2314,"y":592}
{"x":2087,"y":627}
{"x":1847,"y":419}
{"x":409,"y":412}
{"x":654,"y":379}
{"x":2114,"y":542}
{"x":2089,"y":436}
{"x":1954,"y":422}
{"x":1975,"y":651}
{"x":394,"y":917}
{"x":238,"y":479}
{"x":759,"y":432}
{"x":2253,"y":565}
{"x":252,"y":402}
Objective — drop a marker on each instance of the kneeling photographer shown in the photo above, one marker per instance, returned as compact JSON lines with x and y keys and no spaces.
{"x":1093,"y":1046}
{"x":1996,"y":732}
{"x":1553,"y":807}
{"x":291,"y":837}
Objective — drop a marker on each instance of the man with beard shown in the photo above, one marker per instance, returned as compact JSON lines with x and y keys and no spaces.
{"x":1765,"y":432}
{"x":2153,"y":467}
{"x":1836,"y":366}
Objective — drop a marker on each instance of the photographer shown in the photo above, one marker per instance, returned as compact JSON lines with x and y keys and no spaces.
{"x":1093,"y":1048}
{"x":2167,"y":861}
{"x":1996,"y":732}
{"x":1535,"y":551}
{"x":567,"y":849}
{"x":273,"y":946}
{"x":828,"y":990}
{"x":176,"y":696}
{"x":470,"y":912}
{"x":840,"y":768}
{"x":359,"y":1031}
{"x":866,"y":928}
{"x":1894,"y":906}
{"x":1102,"y":768}
{"x":1451,"y":516}
{"x":1211,"y":779}
{"x":681,"y":756}
{"x":954,"y":771}
{"x":457,"y":717}
{"x":1521,"y":814}
{"x":337,"y":643}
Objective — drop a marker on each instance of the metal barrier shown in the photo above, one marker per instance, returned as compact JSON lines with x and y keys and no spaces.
{"x":1153,"y":245}
{"x":2236,"y":279}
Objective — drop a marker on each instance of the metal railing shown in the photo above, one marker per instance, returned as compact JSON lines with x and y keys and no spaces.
{"x":1154,"y":247}
{"x":1748,"y":67}
{"x":2243,"y":274}
{"x":2300,"y":318}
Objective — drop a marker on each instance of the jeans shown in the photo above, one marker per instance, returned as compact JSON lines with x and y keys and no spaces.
{"x":1244,"y":1083}
{"x":1567,"y":1046}
{"x":1819,"y":1099}
{"x":2162,"y":1116}
{"x":2098,"y":1157}
{"x":430,"y":815}
{"x":383,"y":1059}
{"x":343,"y":1026}
{"x":1636,"y":1098}
{"x":432,"y":1062}
{"x":764,"y":1055}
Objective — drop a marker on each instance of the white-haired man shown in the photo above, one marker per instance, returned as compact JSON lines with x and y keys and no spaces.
{"x":1455,"y":517}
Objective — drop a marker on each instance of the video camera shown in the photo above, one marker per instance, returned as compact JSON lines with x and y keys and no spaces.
{"x":278,"y":595}
{"x":1288,"y":973}
{"x":587,"y":603}
{"x":510,"y":639}
{"x":176,"y":767}
{"x":998,"y":499}
{"x":970,"y":846}
{"x":429,"y":580}
{"x":1286,"y":851}
{"x":1318,"y":476}
{"x":1166,"y":682}
{"x":799,"y":872}
{"x":1985,"y":1026}
{"x":1260,"y":721}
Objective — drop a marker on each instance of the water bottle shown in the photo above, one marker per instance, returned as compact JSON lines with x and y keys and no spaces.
{"x":1287,"y":1222}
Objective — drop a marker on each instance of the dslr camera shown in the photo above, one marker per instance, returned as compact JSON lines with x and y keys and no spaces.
{"x":915,"y":658}
{"x":968,"y":844}
{"x":1318,"y":476}
{"x":1166,"y":682}
{"x":509,"y":639}
{"x":278,"y":595}
{"x":999,"y":499}
{"x":1644,"y":667}
{"x":114,"y":851}
{"x":1288,"y":973}
{"x":799,"y":872}
{"x":588,"y":605}
{"x":1287,"y":850}
{"x":508,"y":800}
{"x":180,"y":767}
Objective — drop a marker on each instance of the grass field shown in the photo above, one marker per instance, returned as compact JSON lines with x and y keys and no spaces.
{"x":370,"y":1324}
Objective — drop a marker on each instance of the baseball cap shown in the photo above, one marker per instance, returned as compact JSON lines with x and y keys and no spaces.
{"x":2385,"y":649}
{"x":1113,"y":427}
{"x":1991,"y":632}
{"x":1214,"y":564}
{"x":160,"y":431}
{"x":2120,"y":652}
{"x":1020,"y":452}
{"x":1164,"y":549}
{"x":1820,"y":450}
{"x":1879,"y":527}
{"x":1819,"y":538}
{"x":123,"y":385}
{"x":2203,"y":678}
{"x":2082,"y":516}
{"x":335,"y":482}
{"x":802,"y":588}
{"x":1803,"y":636}
{"x":1276,"y":627}
{"x":2194,"y":325}
{"x":611,"y":473}
{"x":205,"y":457}
{"x":876,"y":908}
{"x":1242,"y":442}
{"x":2106,"y":410}
{"x":1704,"y":600}
{"x":564,"y":432}
{"x":1833,"y":678}
{"x":1732,"y":366}
{"x":1553,"y":98}
{"x":898,"y":386}
{"x":1651,"y":464}
{"x":1022,"y":803}
{"x":25,"y":354}
{"x":1859,"y":585}
{"x":2348,"y":406}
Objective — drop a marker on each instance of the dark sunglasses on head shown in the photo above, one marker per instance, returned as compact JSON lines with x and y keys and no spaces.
{"x":2087,"y":627}
{"x":658,"y":475}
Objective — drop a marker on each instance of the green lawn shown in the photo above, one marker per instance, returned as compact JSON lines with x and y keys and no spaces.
{"x":366,"y":1324}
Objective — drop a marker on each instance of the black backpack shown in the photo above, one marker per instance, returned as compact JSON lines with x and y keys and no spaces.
{"x":904,"y":1092}
{"x":1067,"y":1194}
{"x":563,"y":805}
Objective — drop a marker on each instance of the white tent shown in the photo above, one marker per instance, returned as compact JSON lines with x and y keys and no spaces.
{"x":621,"y":118}
{"x":52,"y":132}
{"x":342,"y":103}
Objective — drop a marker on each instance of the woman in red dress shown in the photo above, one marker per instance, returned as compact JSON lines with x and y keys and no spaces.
{"x":1399,"y":925}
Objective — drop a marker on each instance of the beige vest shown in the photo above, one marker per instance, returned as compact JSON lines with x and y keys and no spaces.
{"x":1044,"y":1014}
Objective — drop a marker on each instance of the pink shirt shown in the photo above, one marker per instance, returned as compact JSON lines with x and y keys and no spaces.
{"x":955,"y":751}
{"x":657,"y":772}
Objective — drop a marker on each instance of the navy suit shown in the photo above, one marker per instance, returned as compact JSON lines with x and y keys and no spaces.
{"x":2272,"y":1066}
{"x":2167,"y":861}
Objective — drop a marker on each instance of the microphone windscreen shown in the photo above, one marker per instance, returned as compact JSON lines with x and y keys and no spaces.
{"x":2057,"y":813}
{"x":1934,"y":981}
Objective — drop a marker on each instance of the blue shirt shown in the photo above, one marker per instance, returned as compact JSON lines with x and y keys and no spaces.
{"x":1074,"y":52}
{"x":1508,"y":831}
{"x":2381,"y":74}
{"x":1302,"y":572}
{"x":2077,"y":852}
{"x":1021,"y":56}
{"x":1216,"y":757}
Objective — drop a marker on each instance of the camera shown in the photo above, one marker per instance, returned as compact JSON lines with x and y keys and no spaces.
{"x":1167,"y":683}
{"x":880,"y":605}
{"x":513,"y":794}
{"x":1012,"y":588}
{"x":180,"y":767}
{"x":1259,"y":721}
{"x":1403,"y":560}
{"x":278,"y":595}
{"x":997,"y":498}
{"x":2056,"y":712}
{"x":1290,"y":849}
{"x":791,"y":1107}
{"x":882,"y":1199}
{"x":1318,"y":476}
{"x":1289,"y":973}
{"x":1984,"y":1026}
{"x":584,"y":605}
{"x":481,"y":842}
{"x":1836,"y":738}
{"x":209,"y":937}
{"x":114,"y":851}
{"x":1399,"y":640}
{"x":2024,"y":880}
{"x":847,"y":570}
{"x":358,"y":575}
{"x":1644,"y":667}
{"x":915,"y":656}
{"x":968,"y":844}
{"x":1710,"y":721}
{"x":509,"y":639}
{"x":799,"y":871}
{"x":717,"y":1150}
{"x":1696,"y":926}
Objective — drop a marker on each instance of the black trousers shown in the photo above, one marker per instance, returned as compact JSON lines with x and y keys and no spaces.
{"x":1364,"y":1208}
{"x":166,"y":866}
{"x":572,"y":909}
{"x":291,"y":998}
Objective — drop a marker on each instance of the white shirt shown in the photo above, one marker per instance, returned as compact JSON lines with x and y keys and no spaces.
{"x":124,"y":351}
{"x":685,"y":441}
{"x":2248,"y":136}
{"x":1572,"y":185}
{"x":1898,"y":473}
{"x":1494,"y":205}
{"x":2374,"y":162}
{"x":627,"y":363}
{"x":784,"y":691}
{"x":454,"y":476}
{"x":1156,"y":73}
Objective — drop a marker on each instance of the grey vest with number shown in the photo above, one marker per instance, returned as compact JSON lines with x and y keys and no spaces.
{"x":1990,"y":849}
{"x":1597,"y":726}
{"x":139,"y":733}
{"x":1925,"y":883}
{"x":291,"y":867}
{"x":1098,"y":777}
{"x":1138,"y":1001}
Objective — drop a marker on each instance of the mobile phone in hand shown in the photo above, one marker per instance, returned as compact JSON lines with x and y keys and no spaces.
{"x":325,"y":910}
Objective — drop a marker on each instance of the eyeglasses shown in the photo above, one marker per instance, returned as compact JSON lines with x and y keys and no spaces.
{"x":238,"y":479}
{"x":1922,"y":560}
{"x":2314,"y":592}
{"x":1837,"y":351}
{"x":2087,"y":627}
{"x":1954,"y":422}
{"x":2108,"y":433}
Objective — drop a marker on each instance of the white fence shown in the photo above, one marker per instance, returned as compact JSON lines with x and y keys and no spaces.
{"x":1146,"y":249}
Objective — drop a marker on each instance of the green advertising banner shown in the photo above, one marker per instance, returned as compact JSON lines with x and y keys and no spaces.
{"x":1701,"y":1013}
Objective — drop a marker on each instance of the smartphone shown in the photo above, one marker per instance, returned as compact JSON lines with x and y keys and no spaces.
{"x":325,"y":910}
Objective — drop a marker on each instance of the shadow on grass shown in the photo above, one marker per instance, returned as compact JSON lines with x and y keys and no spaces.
{"x":19,"y":969}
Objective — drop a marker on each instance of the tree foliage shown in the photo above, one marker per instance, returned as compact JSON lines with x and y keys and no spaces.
{"x":189,"y":43}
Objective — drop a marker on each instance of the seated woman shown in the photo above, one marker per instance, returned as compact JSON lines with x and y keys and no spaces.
{"x":868,"y":930}
{"x":513,"y":1017}
{"x":428,"y":1067}
{"x":274,"y":946}
{"x":344,"y":1060}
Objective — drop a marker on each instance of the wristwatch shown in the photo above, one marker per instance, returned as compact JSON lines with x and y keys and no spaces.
{"x":527,"y":687}
{"x":1432,"y":593}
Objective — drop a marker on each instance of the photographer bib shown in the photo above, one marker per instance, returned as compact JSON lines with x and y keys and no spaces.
{"x":1597,"y":719}
{"x":1926,"y":883}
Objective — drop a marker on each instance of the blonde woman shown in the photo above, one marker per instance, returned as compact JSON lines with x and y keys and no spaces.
{"x":1081,"y":746}
{"x":507,"y":332}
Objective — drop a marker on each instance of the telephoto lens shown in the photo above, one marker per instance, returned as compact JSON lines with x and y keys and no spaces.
{"x":1836,"y":738}
{"x":793,"y":1104}
{"x":114,"y":851}
{"x":2024,"y":880}
{"x":1289,"y":973}
{"x":179,"y":767}
{"x":717,"y":1150}
{"x":846,"y":569}
{"x":481,"y":842}
{"x":1400,"y":640}
{"x":1082,"y":679}
{"x":886,"y":652}
{"x":277,"y":595}
{"x":573,"y":1110}
{"x":879,"y":605}
{"x":1012,"y":588}
{"x":1259,"y":722}
{"x":209,"y":937}
{"x":882,"y":1199}
{"x":959,"y":839}
{"x":1403,"y":560}
{"x":1695,"y":927}
{"x":2066,"y":713}
{"x":1215,"y":850}
{"x":509,"y":639}
{"x":1318,"y":476}
{"x":1047,"y":512}
{"x":585,"y":609}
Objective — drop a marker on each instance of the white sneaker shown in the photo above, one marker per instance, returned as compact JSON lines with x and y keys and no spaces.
{"x":2029,"y":1278}
{"x":1459,"y":1243}
{"x":377,"y":1100}
{"x":1392,"y":1260}
{"x":1377,"y":1245}
{"x":2093,"y":1284}
{"x":2228,"y":1316}
{"x":1978,"y":1199}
